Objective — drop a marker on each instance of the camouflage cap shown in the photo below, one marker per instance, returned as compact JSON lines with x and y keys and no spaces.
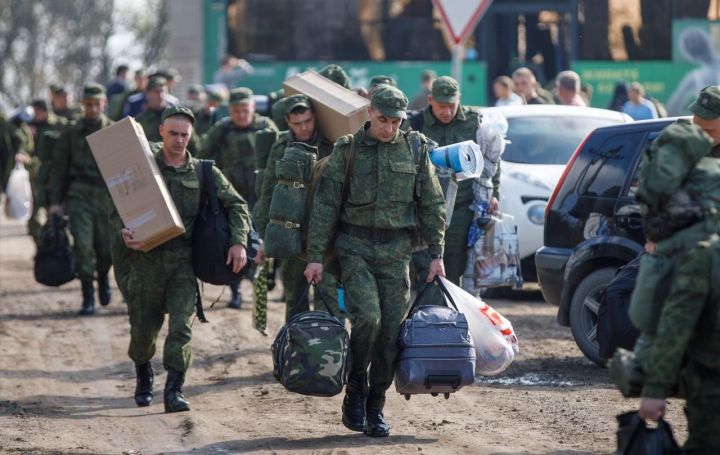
{"x":299,"y":100}
{"x":241,"y":95}
{"x":94,"y":91}
{"x":377,"y":80}
{"x":336,"y":74}
{"x":196,"y":88}
{"x":445,"y":90}
{"x":57,"y":89}
{"x":390,"y":101}
{"x":177,"y":110}
{"x":155,"y":82}
{"x":216,"y":95}
{"x":707,"y":104}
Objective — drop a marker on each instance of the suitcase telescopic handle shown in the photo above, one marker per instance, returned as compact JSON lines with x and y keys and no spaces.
{"x":444,"y":291}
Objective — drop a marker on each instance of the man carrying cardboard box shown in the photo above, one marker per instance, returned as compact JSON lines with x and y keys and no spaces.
{"x":162,"y":280}
{"x":231,"y":143}
{"x":75,"y":181}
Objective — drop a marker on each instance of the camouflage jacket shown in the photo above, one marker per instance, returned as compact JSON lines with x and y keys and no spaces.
{"x":462,"y":128}
{"x":149,"y":119}
{"x":380,"y":193}
{"x":689,"y":325}
{"x":73,"y":161}
{"x":261,"y":211}
{"x":184,"y":188}
{"x":233,"y":150}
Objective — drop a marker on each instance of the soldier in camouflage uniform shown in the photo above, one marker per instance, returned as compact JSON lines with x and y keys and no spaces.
{"x":156,"y":102}
{"x":231,"y":143}
{"x":301,"y":120}
{"x":683,"y":343}
{"x":75,"y":181}
{"x":389,"y":191}
{"x":46,"y":127}
{"x":209,"y":114}
{"x":162,"y":280}
{"x":446,"y":121}
{"x":60,"y":104}
{"x":336,"y":74}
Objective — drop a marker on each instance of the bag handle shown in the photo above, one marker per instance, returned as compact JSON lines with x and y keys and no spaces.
{"x":449,"y":301}
{"x":317,"y":293}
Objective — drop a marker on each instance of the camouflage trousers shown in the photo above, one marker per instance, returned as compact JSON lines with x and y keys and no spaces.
{"x":377,"y":296}
{"x":294,"y":283}
{"x":88,"y":208}
{"x":35,"y":223}
{"x":455,"y":255}
{"x":701,"y":388}
{"x":161,"y":281}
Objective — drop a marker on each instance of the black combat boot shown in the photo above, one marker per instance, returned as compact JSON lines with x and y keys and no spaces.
{"x":144,"y":384}
{"x":88,"y":302}
{"x":174,"y":399}
{"x":375,"y":424}
{"x":104,"y":292}
{"x":353,"y":408}
{"x":235,"y":301}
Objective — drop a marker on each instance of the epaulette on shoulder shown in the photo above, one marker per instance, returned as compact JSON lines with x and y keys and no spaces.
{"x":344,"y":140}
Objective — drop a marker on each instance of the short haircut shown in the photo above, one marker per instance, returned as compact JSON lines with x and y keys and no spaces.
{"x":121,"y":69}
{"x":505,"y":82}
{"x":523,"y":71}
{"x":637,"y":87}
{"x":569,"y":80}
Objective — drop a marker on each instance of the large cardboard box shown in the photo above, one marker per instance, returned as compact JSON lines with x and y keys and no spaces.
{"x":339,"y":111}
{"x":136,"y":186}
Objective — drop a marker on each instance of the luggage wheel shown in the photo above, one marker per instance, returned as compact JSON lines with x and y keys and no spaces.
{"x":407,"y":396}
{"x":446,"y":395}
{"x":434,"y":394}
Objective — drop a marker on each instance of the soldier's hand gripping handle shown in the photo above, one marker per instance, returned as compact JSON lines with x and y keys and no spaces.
{"x":238,"y":257}
{"x":314,"y":272}
{"x":437,"y":268}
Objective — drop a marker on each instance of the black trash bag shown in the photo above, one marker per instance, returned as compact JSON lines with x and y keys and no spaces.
{"x":635,"y":438}
{"x":614,"y":327}
{"x":54,"y":260}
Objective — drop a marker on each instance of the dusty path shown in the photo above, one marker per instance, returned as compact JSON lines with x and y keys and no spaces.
{"x":66,"y":387}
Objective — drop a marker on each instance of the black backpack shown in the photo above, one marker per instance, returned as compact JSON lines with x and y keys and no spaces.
{"x":211,"y":234}
{"x":54,"y":260}
{"x":614,"y":327}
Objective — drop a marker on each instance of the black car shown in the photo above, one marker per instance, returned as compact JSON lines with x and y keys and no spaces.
{"x":593,"y":225}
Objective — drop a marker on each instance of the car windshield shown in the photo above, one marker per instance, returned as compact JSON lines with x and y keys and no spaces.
{"x":547,"y":140}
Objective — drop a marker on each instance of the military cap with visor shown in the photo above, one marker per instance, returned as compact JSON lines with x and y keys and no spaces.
{"x":707,"y":103}
{"x":241,"y":95}
{"x":336,"y":74}
{"x":295,"y":101}
{"x":390,"y":101}
{"x":377,"y":80}
{"x":445,"y":90}
{"x":57,"y":89}
{"x":155,"y":82}
{"x":93,"y":91}
{"x":177,"y":110}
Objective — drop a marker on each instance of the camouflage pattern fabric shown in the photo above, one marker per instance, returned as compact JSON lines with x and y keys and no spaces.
{"x":260,"y":291}
{"x":233,"y":150}
{"x":294,"y":283}
{"x":162,"y":280}
{"x":311,"y":355}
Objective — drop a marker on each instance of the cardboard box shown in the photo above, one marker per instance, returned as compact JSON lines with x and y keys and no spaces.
{"x":136,"y":186}
{"x":339,"y":111}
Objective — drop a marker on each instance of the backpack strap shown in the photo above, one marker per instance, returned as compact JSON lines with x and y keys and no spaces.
{"x":415,"y":142}
{"x":208,"y":195}
{"x":348,"y":171}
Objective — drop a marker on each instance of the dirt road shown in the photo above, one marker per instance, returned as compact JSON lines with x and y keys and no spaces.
{"x":66,"y":387}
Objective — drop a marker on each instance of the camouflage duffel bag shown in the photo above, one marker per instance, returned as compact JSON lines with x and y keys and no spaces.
{"x":311,"y":353}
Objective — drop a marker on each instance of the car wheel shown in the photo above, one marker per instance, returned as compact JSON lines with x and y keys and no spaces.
{"x":584,"y":308}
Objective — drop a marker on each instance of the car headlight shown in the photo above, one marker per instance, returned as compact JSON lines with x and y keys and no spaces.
{"x":530,"y":180}
{"x":536,"y":214}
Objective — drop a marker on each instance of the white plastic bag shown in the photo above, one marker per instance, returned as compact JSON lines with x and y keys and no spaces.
{"x":19,"y":194}
{"x":493,"y":336}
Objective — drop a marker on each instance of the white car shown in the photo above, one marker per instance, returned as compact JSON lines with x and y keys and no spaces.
{"x":542,"y":138}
